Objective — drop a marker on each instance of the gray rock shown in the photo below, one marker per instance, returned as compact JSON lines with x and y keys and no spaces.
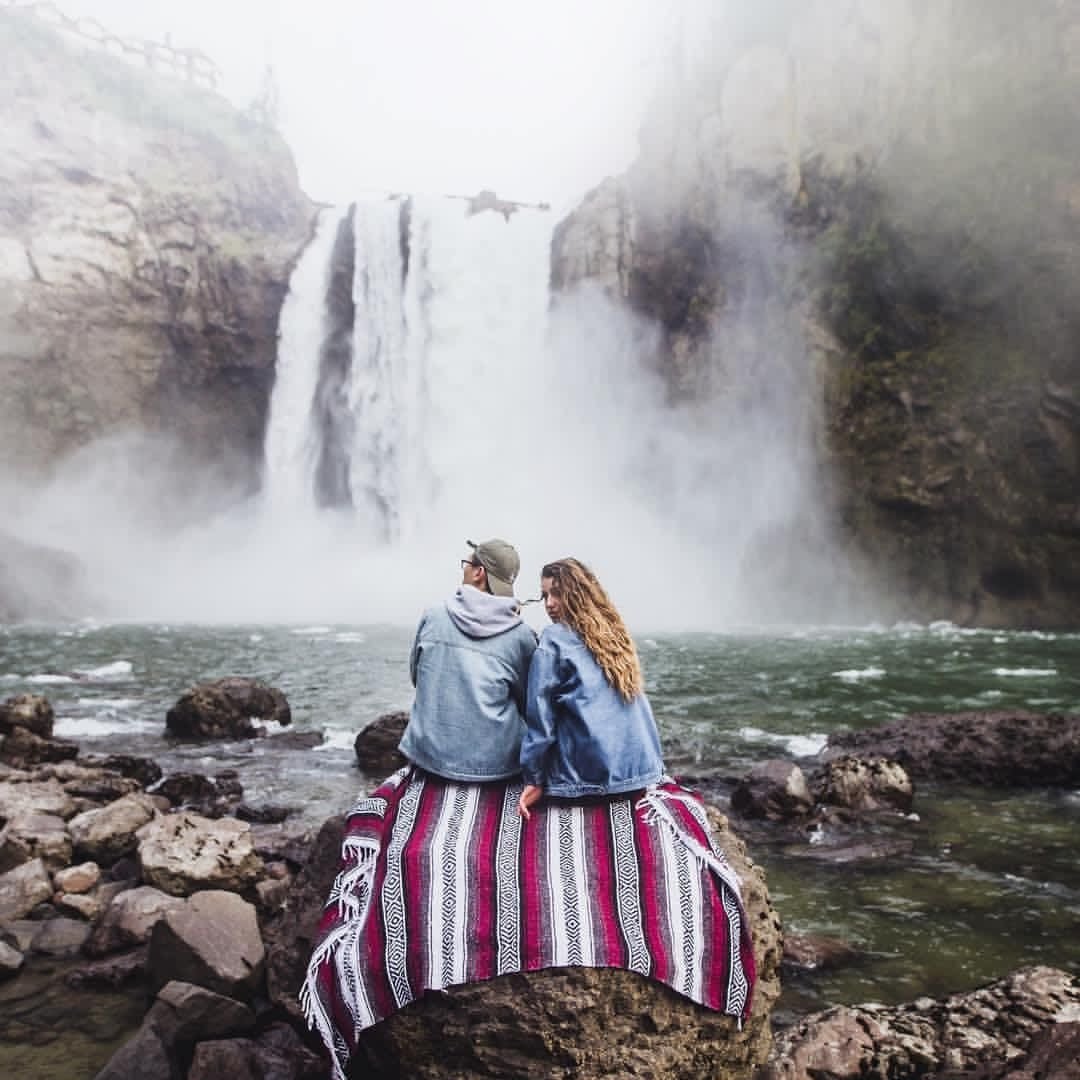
{"x":128,"y":920}
{"x":60,"y":937}
{"x":584,"y":1022}
{"x":225,"y":709}
{"x":183,"y":853}
{"x":376,"y":746}
{"x":144,"y":1057}
{"x":998,"y":749}
{"x":24,"y":749}
{"x":22,"y":889}
{"x":865,"y":785}
{"x":18,"y":798}
{"x":211,"y":940}
{"x":33,"y":836}
{"x":142,"y":283}
{"x":11,"y":960}
{"x":185,"y":1012}
{"x":774,"y":789}
{"x":30,"y":711}
{"x":981,"y":1033}
{"x":78,"y":879}
{"x":105,"y":834}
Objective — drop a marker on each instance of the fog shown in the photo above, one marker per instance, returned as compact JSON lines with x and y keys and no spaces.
{"x":674,"y":503}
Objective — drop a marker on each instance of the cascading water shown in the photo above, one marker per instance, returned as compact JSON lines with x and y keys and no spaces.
{"x":450,"y":398}
{"x":424,"y":421}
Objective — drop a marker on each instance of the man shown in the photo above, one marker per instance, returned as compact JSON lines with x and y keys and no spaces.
{"x":470,"y":667}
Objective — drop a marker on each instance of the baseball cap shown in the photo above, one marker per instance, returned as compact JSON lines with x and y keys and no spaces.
{"x":501,"y":562}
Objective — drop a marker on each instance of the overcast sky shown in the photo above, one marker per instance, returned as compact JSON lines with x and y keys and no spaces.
{"x":537,"y":101}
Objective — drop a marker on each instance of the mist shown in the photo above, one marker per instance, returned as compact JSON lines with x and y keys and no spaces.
{"x":708,"y":510}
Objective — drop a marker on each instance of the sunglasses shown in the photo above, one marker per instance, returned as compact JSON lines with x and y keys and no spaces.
{"x":470,"y":562}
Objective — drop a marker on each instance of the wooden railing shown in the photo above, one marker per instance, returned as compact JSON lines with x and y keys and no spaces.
{"x":191,"y":65}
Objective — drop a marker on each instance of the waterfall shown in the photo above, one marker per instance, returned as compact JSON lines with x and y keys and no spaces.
{"x":410,"y":416}
{"x":290,"y":448}
{"x":445,"y":397}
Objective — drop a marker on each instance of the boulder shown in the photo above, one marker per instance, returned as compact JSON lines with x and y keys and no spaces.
{"x":1054,"y":1054}
{"x":78,"y":879}
{"x":996,"y":749}
{"x":33,"y":836}
{"x":11,"y":960}
{"x":107,"y":833}
{"x":376,"y":746}
{"x":865,"y":785}
{"x":584,"y":1022}
{"x":213,"y":941}
{"x":128,"y":920}
{"x":18,"y":798}
{"x":86,"y":907}
{"x":60,"y":937}
{"x":290,"y":936}
{"x":110,"y":973}
{"x":30,"y":711}
{"x":23,"y":749}
{"x":985,"y":1032}
{"x":145,"y":771}
{"x":775,"y":789}
{"x":22,"y":889}
{"x":182,"y":853}
{"x":813,"y":952}
{"x":226,"y":709}
{"x":209,"y":796}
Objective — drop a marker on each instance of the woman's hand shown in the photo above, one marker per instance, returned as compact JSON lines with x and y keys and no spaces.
{"x":529,"y":797}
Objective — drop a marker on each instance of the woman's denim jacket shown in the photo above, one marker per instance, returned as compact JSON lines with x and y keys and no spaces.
{"x":581,"y":737}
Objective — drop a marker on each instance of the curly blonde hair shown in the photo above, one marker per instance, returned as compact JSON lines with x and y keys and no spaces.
{"x":588,"y":610}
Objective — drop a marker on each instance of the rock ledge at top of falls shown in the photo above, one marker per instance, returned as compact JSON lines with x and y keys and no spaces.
{"x":147,"y":233}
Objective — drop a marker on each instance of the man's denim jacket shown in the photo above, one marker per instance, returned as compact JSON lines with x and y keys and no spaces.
{"x":581,"y":737}
{"x":467,"y":719}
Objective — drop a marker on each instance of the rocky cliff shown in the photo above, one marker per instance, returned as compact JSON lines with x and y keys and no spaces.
{"x":900,"y":185}
{"x":147,"y":231}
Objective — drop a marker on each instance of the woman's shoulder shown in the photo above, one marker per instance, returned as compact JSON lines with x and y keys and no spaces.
{"x":559,"y":636}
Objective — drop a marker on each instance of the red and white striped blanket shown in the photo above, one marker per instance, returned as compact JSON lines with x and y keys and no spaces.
{"x":443,"y":883}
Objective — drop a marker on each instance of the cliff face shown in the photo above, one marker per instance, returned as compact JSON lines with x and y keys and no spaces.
{"x":904,"y":185}
{"x":147,"y":232}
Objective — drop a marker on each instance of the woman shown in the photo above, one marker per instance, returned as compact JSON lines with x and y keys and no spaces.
{"x":589,"y":728}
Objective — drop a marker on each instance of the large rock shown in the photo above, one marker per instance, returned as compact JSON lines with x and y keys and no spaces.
{"x":182,"y":853}
{"x":181,"y":1015}
{"x":105,"y":834}
{"x":984,"y":1033}
{"x":20,"y":799}
{"x":812,"y":228}
{"x":291,"y":934}
{"x":22,"y":889}
{"x":213,"y":941}
{"x":863,"y":785}
{"x":773,"y":789}
{"x":143,"y":280}
{"x":376,"y":746}
{"x":998,"y":749}
{"x":584,"y":1022}
{"x":128,"y":919}
{"x":31,"y":711}
{"x":23,"y":749}
{"x":226,"y":709}
{"x":35,"y":836}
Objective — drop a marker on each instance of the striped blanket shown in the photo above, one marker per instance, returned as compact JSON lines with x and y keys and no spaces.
{"x":443,"y":883}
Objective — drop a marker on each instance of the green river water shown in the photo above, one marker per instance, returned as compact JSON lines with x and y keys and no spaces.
{"x":992,"y":881}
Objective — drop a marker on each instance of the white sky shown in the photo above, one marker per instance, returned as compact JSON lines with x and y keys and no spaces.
{"x":539,"y":102}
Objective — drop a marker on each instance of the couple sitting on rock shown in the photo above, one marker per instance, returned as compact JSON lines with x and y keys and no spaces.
{"x":567,"y":714}
{"x":534,"y":826}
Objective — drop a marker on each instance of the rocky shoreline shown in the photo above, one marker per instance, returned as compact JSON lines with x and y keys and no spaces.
{"x":176,"y":889}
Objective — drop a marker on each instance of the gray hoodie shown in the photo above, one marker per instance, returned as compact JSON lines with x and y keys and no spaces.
{"x":470,"y":667}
